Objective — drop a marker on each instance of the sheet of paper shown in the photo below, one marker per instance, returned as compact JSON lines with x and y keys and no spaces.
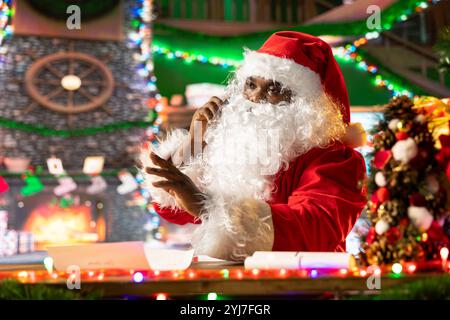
{"x":119,"y":255}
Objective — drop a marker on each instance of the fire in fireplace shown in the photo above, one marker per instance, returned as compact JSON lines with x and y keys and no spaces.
{"x":59,"y":221}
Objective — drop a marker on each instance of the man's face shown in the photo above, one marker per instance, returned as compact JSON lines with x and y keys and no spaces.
{"x":260,"y":90}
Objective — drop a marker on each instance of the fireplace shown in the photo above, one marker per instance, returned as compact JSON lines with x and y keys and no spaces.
{"x":80,"y":218}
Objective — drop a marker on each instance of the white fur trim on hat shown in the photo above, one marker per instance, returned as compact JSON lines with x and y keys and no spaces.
{"x":301,"y":80}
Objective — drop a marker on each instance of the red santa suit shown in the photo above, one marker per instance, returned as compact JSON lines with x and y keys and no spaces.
{"x":316,"y":199}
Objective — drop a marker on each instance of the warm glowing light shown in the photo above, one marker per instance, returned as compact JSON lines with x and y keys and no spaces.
{"x":363,"y":273}
{"x":93,"y":165}
{"x":239,"y":274}
{"x":444,"y":253}
{"x":397,"y":268}
{"x":91,"y":274}
{"x":191,"y":274}
{"x":138,"y":277}
{"x":412,"y":268}
{"x":212,"y":296}
{"x":22,"y":274}
{"x":156,"y":273}
{"x":53,"y":225}
{"x":161,"y":296}
{"x":48,"y":264}
{"x":71,"y":82}
{"x":283,"y":272}
{"x":343,"y":272}
{"x":225,"y":273}
{"x":101,"y":276}
{"x":255,"y":272}
{"x":424,"y":237}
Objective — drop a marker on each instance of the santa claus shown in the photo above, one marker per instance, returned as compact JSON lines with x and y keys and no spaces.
{"x":272,"y":169}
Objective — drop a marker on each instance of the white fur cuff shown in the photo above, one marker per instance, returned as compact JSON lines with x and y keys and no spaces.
{"x":234,"y":230}
{"x":165,"y":149}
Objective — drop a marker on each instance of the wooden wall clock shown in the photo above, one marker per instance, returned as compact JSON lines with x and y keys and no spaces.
{"x":69,"y":82}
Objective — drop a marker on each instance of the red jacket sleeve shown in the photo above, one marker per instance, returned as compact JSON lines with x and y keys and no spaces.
{"x":177,"y":216}
{"x":325,"y":203}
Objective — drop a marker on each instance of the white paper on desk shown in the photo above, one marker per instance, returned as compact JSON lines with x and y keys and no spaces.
{"x":119,"y":255}
{"x":298,"y":260}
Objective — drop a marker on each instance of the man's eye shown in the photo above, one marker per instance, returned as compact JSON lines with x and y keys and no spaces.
{"x":251,"y":85}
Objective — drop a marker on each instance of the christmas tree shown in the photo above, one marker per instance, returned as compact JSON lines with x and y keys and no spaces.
{"x":407,"y":187}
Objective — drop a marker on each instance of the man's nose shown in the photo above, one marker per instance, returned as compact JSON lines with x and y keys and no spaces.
{"x":257,"y":96}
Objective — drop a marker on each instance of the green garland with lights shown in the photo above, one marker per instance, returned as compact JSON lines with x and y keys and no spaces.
{"x":70,"y":133}
{"x":383,"y":77}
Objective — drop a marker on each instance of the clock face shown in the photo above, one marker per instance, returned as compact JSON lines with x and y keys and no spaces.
{"x":69,"y":82}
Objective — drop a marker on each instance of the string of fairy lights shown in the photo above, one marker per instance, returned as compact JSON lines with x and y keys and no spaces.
{"x":6,"y":13}
{"x":396,"y":270}
{"x":346,"y":53}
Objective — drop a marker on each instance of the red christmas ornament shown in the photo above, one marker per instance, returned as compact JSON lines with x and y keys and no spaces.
{"x":417,"y":200}
{"x":3,"y":185}
{"x":401,"y":135}
{"x":375,"y":202}
{"x":370,"y":236}
{"x":403,"y":222}
{"x":436,"y":233}
{"x":382,"y":158}
{"x":383,"y":194}
{"x":393,"y":235}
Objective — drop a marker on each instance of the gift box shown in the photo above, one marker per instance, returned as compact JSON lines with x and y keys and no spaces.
{"x":25,"y":242}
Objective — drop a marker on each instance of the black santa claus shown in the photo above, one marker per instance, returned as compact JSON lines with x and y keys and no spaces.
{"x":275,"y":168}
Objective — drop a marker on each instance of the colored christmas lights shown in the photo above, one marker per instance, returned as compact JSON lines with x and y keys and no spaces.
{"x":398,"y":12}
{"x":349,"y":53}
{"x":141,"y":276}
{"x":6,"y":14}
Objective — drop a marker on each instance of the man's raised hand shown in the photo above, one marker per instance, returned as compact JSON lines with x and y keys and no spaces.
{"x":177,"y":184}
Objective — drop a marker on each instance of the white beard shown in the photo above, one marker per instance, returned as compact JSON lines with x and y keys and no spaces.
{"x":251,"y":142}
{"x":246,"y":147}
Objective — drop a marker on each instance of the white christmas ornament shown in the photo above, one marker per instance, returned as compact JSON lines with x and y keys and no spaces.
{"x":405,"y":150}
{"x":380,"y":179}
{"x":432,"y":184}
{"x":393,"y":124}
{"x":129,"y":183}
{"x":420,"y":217}
{"x":420,"y":118}
{"x":66,"y":185}
{"x":381,"y":227}
{"x":98,"y":184}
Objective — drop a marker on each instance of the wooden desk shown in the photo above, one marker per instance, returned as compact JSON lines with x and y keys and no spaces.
{"x":263,"y":285}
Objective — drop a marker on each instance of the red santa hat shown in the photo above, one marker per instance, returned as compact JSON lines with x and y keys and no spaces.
{"x":303,"y":63}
